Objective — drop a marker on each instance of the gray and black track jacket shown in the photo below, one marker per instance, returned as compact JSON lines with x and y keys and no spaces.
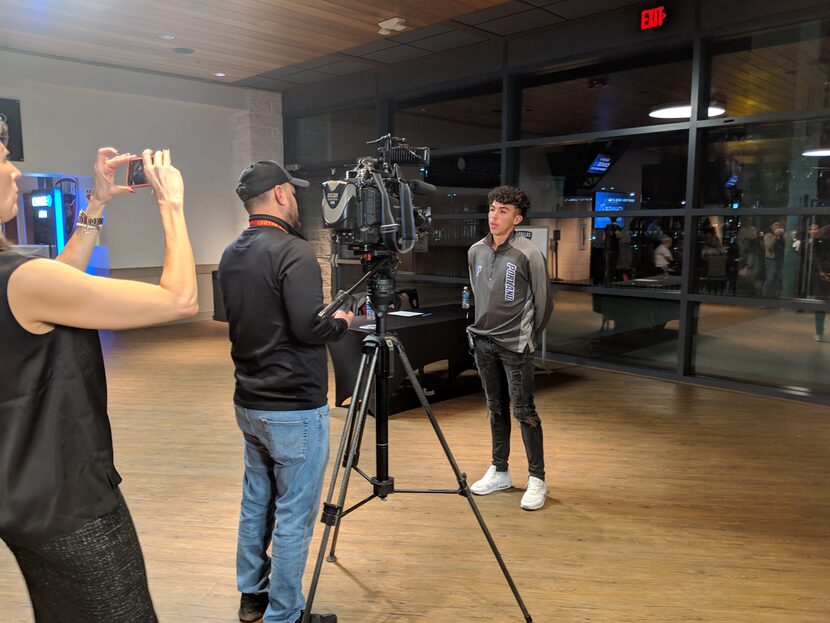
{"x":512,"y":292}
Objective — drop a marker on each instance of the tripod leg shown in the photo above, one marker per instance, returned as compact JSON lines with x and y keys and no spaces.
{"x":350,"y":464}
{"x":352,"y":432}
{"x":461,"y":477}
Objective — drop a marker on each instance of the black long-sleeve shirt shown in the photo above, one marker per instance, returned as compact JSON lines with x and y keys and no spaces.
{"x":272,"y":290}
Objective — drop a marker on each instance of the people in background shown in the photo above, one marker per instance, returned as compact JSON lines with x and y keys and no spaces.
{"x":272,"y":290}
{"x":711,"y":246}
{"x":662,"y":255}
{"x":773,"y":258}
{"x":750,"y":258}
{"x":61,"y":512}
{"x":818,"y":248}
{"x":510,"y":284}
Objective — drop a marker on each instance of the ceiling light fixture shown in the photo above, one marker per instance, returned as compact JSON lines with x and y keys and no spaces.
{"x":391,"y":26}
{"x":684,"y":111}
{"x":166,"y":36}
{"x":220,"y":74}
{"x":821,"y":151}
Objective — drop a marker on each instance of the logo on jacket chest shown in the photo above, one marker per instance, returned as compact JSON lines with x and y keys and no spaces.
{"x":510,"y":282}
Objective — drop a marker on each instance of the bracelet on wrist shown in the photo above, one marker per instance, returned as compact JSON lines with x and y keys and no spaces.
{"x":89,"y":222}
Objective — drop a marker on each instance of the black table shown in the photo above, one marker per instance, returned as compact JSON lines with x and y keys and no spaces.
{"x":657,"y":282}
{"x":440,"y":334}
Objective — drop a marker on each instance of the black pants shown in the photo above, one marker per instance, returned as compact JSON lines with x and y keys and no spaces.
{"x":95,"y":574}
{"x":507,"y":378}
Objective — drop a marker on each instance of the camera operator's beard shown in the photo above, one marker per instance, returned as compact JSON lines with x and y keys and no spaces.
{"x":294,"y":218}
{"x":292,"y":214}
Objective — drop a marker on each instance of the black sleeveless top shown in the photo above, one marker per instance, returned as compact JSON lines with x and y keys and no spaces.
{"x":56,"y":469}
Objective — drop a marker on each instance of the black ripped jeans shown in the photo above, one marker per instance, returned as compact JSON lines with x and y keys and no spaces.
{"x":507,"y":378}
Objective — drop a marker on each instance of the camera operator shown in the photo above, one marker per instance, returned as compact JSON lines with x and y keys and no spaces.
{"x":510,"y":283}
{"x":61,"y":512}
{"x":272,"y":289}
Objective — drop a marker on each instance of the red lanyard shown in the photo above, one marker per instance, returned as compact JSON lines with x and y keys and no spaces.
{"x":263,"y":223}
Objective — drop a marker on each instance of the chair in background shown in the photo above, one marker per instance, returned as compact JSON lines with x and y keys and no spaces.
{"x":713,"y":280}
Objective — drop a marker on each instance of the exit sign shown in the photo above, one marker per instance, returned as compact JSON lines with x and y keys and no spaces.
{"x":652,"y":18}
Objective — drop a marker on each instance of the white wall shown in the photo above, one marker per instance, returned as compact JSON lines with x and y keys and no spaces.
{"x":70,"y":109}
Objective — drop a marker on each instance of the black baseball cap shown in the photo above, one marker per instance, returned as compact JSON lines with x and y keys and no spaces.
{"x":261,"y":176}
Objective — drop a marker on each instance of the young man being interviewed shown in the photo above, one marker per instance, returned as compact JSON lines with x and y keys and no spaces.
{"x":509,"y":278}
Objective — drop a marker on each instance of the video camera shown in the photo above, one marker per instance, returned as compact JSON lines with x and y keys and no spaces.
{"x":371,"y":210}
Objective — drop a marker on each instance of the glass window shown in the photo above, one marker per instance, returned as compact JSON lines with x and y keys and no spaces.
{"x":620,"y":175}
{"x":768,"y":166}
{"x":776,"y":347}
{"x":444,"y":253}
{"x":463,"y":181}
{"x":777,"y":71}
{"x":626,"y":252}
{"x":618,"y":98}
{"x":474,"y":120}
{"x":459,"y":208}
{"x":334,"y":136}
{"x":617,"y":329}
{"x":649,"y":170}
{"x":763,"y":256}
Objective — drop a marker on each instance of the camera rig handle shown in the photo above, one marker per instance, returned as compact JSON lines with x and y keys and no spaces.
{"x":389,"y":228}
{"x":409,"y":236}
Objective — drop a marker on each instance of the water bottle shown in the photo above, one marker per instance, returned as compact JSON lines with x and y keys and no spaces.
{"x":370,"y":312}
{"x":465,"y":298}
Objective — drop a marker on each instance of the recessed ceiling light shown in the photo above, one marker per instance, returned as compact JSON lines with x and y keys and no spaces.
{"x":166,"y":36}
{"x":220,"y":74}
{"x":183,"y":50}
{"x":684,"y":111}
{"x":822,"y":151}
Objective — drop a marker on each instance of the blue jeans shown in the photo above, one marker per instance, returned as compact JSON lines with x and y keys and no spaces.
{"x":285,"y":458}
{"x":771,"y":269}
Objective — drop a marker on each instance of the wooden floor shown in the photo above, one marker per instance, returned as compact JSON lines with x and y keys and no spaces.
{"x":668,"y":502}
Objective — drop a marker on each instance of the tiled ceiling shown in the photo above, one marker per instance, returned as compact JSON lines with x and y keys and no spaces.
{"x":499,"y":21}
{"x":273,"y":45}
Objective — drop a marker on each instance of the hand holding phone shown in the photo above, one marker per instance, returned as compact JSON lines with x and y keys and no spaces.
{"x":165,"y":180}
{"x":106,"y":162}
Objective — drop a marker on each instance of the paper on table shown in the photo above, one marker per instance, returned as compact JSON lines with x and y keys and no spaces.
{"x":406,"y":313}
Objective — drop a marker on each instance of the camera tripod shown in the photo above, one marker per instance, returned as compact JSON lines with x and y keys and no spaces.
{"x":379,"y":351}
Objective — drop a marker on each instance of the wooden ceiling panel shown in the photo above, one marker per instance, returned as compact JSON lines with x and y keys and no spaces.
{"x":242,"y":38}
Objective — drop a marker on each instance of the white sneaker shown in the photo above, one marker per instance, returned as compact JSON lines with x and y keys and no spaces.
{"x":819,"y":337}
{"x":536,"y":494}
{"x":492,"y":481}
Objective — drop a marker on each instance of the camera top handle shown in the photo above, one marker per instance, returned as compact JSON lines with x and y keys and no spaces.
{"x":388,"y":227}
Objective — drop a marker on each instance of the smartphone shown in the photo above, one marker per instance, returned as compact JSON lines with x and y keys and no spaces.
{"x":135,"y":173}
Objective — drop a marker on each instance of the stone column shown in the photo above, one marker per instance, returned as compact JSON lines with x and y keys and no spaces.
{"x":257,"y":134}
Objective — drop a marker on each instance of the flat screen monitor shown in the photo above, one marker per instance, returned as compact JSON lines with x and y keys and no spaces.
{"x":609,"y":201}
{"x":600,"y":164}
